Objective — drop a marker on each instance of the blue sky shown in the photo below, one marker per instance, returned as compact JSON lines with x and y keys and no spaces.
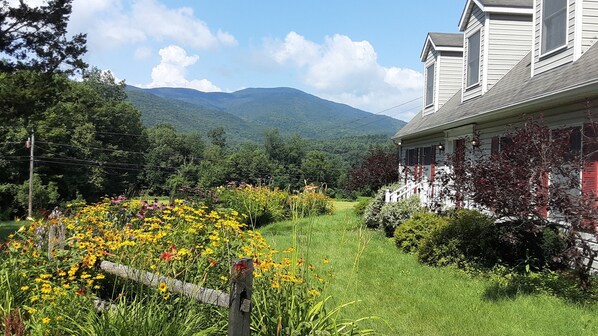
{"x":362,"y":53}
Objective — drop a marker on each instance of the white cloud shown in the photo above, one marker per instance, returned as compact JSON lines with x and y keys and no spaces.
{"x":347,"y":71}
{"x":171,"y":71}
{"x":109,"y":23}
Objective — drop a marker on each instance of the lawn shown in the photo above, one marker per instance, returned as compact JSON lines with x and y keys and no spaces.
{"x":7,"y":228}
{"x":414,"y":299}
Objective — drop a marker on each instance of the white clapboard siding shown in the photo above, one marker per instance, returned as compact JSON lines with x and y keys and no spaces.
{"x":590,"y":24}
{"x":550,"y":61}
{"x":450,"y":76}
{"x":510,"y":40}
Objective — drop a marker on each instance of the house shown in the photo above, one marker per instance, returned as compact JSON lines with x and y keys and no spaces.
{"x":517,"y":57}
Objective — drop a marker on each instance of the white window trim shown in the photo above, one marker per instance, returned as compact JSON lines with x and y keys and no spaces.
{"x":560,"y":48}
{"x":467,"y":87}
{"x":437,"y":83}
{"x":433,"y":64}
{"x":484,"y":71}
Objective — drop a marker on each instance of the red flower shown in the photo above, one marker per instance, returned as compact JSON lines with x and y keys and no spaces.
{"x":166,"y":256}
{"x":239,"y":267}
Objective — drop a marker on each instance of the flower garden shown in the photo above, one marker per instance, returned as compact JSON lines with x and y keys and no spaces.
{"x":52,"y":287}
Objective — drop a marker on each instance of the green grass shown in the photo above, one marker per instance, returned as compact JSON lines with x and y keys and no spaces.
{"x":6,"y":228}
{"x":414,"y":299}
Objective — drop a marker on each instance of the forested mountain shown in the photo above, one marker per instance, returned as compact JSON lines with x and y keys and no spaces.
{"x":245,"y":114}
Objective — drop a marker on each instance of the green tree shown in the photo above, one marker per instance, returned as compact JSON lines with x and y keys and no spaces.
{"x":36,"y":38}
{"x":43,"y":195}
{"x":171,"y":154}
{"x":250,"y":164}
{"x":317,"y":167}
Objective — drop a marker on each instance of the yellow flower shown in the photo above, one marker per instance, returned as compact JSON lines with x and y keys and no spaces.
{"x":16,"y":245}
{"x":46,"y":320}
{"x":313,"y":292}
{"x":325,"y":260}
{"x":162,"y":287}
{"x":24,"y":288}
{"x":275,"y":284}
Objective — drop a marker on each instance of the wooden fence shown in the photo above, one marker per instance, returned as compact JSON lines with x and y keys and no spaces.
{"x":238,"y":301}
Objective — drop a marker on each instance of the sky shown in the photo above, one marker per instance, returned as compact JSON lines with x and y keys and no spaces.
{"x":361,"y":53}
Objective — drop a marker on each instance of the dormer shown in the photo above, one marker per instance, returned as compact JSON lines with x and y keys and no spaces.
{"x":442,"y":56}
{"x":497,"y":34}
{"x":564,"y":30}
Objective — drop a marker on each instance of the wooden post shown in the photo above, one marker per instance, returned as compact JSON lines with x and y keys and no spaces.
{"x":239,"y":311}
{"x":31,"y":143}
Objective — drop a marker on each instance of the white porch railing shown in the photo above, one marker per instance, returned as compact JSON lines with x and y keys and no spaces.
{"x":423,"y":188}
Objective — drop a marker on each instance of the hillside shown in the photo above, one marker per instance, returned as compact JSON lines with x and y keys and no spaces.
{"x":245,"y":114}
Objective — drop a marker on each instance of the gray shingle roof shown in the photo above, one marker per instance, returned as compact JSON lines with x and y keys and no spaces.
{"x":447,"y":39}
{"x":515,"y":88}
{"x":508,"y":3}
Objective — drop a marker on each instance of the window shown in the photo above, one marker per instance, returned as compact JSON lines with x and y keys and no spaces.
{"x":554,"y":25}
{"x":473,"y":59}
{"x":430,"y":85}
{"x":429,"y":155}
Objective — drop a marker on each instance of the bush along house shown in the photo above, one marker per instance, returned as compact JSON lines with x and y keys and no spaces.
{"x":513,"y":60}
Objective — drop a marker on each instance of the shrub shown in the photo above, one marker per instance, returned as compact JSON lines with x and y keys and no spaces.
{"x":409,"y":235}
{"x":370,"y":215}
{"x":527,"y":244}
{"x":260,"y":205}
{"x":472,"y":238}
{"x":468,"y":236}
{"x":310,"y":203}
{"x":393,"y":214}
{"x":359,"y":208}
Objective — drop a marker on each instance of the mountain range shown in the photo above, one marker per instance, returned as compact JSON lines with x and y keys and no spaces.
{"x":246,"y":114}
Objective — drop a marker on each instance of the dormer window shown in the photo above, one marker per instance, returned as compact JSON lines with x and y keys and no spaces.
{"x":554,"y":25}
{"x":430,"y":85}
{"x":473,"y":59}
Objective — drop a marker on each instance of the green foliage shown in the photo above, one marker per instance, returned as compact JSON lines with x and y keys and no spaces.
{"x":310,"y":203}
{"x":167,"y":152}
{"x":472,"y":239}
{"x":259,"y":205}
{"x":394,"y":214}
{"x":467,"y":237}
{"x":372,"y":211}
{"x":361,"y":205}
{"x":506,"y":284}
{"x":44,"y":195}
{"x":36,"y":37}
{"x":410,"y":235}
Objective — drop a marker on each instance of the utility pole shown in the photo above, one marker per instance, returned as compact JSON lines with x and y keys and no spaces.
{"x":31,"y":144}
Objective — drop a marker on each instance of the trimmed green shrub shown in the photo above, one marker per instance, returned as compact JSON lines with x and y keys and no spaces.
{"x":468,"y":236}
{"x":409,"y":235}
{"x":394,"y":214}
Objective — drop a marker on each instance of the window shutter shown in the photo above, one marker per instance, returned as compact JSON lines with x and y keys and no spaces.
{"x":494,"y":146}
{"x":589,"y":176}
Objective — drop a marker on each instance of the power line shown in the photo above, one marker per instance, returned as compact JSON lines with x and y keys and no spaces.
{"x":93,"y":148}
{"x":380,"y":112}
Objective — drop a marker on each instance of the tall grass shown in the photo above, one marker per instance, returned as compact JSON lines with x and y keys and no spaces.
{"x":414,"y":299}
{"x":8,"y":227}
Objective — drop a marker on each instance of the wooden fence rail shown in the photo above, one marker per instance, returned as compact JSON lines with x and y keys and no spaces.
{"x":238,"y":301}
